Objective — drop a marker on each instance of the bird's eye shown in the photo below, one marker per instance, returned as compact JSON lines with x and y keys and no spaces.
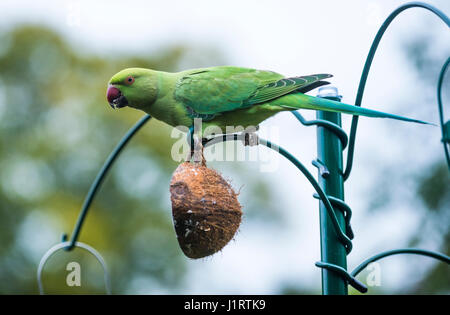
{"x":129,"y":80}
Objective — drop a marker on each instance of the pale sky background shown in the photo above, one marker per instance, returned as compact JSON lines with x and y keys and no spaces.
{"x":293,"y":38}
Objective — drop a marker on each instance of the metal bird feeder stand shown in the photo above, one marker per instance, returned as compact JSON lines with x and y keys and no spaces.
{"x":329,"y":154}
{"x":335,"y":229}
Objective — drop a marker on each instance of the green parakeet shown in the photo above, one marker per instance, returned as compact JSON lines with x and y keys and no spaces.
{"x":222,"y":96}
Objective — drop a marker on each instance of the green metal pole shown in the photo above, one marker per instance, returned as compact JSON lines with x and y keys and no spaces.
{"x":329,"y":150}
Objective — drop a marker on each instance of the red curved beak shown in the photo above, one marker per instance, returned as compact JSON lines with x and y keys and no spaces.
{"x":115,"y":98}
{"x":112,"y":94}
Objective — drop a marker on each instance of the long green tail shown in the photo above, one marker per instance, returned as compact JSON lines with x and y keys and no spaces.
{"x":299,"y":101}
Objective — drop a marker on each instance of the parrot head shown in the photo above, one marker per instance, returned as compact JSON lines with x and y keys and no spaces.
{"x":133,"y":87}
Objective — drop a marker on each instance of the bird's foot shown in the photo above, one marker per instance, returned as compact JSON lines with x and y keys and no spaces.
{"x":196,"y":154}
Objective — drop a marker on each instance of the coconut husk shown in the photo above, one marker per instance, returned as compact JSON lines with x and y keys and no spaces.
{"x":206,"y":212}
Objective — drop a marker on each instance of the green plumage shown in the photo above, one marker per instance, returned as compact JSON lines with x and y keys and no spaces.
{"x":226,"y":96}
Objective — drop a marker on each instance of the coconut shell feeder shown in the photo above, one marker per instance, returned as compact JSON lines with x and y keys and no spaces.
{"x":206,"y":212}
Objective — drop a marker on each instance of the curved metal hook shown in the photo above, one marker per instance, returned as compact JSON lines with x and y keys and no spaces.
{"x":340,"y":234}
{"x":324,"y":198}
{"x":351,"y":280}
{"x":415,"y":251}
{"x":59,"y":246}
{"x":351,"y":277}
{"x":336,"y":129}
{"x":99,"y":179}
{"x":368,"y":63}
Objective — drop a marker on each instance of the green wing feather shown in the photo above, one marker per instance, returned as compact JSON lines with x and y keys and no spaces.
{"x":282,"y":87}
{"x":222,"y":89}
